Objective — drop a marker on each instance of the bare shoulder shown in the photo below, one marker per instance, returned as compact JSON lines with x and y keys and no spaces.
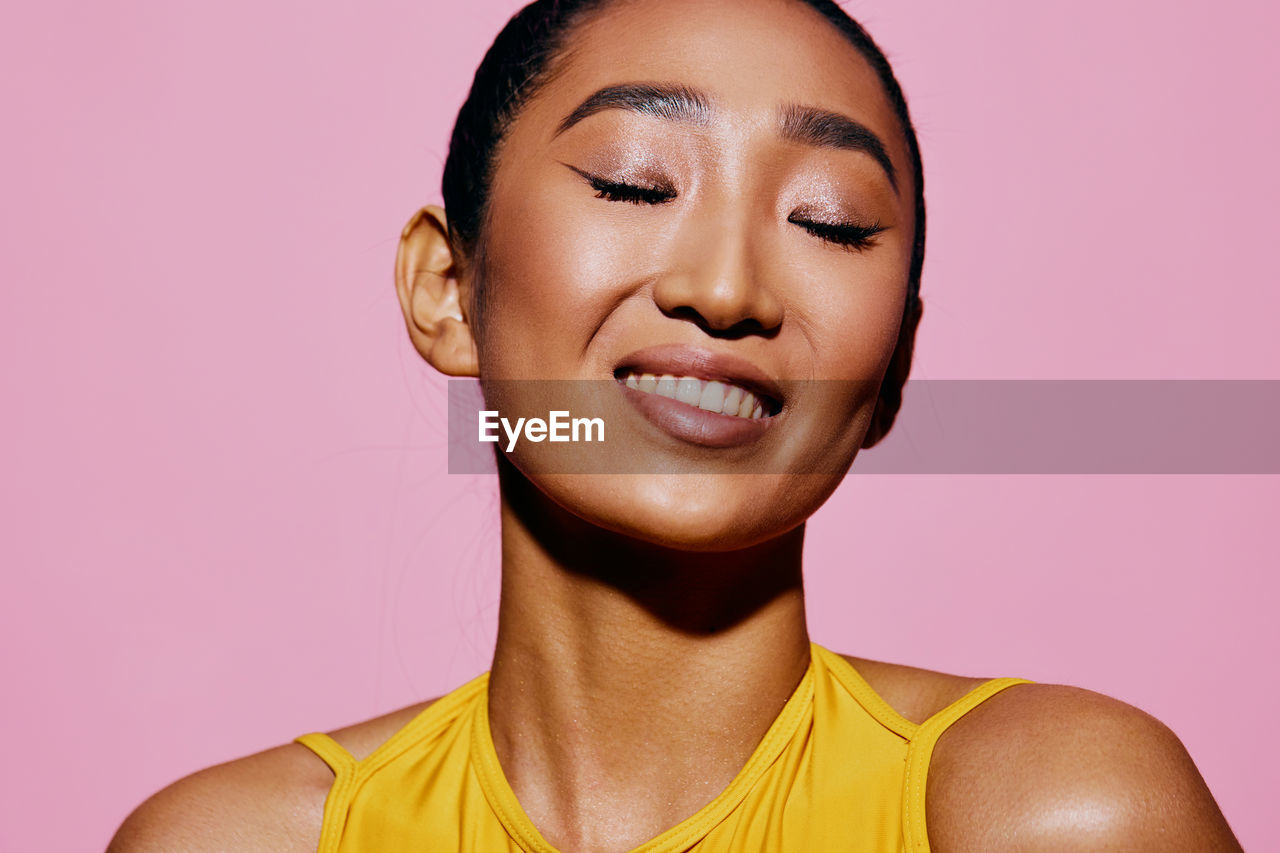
{"x":915,"y":693}
{"x":363,"y":738}
{"x":1052,"y":767}
{"x":273,"y":800}
{"x":270,"y":801}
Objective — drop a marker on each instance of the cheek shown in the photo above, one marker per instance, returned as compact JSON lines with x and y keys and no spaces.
{"x":852,"y":319}
{"x":861,"y":351}
{"x":555,"y":270}
{"x":852,"y":313}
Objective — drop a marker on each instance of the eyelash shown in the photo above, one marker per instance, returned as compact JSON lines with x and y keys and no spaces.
{"x":855,"y":238}
{"x":614,"y":191}
{"x":847,"y":235}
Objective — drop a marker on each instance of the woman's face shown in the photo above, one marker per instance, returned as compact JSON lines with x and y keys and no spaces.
{"x":698,"y":193}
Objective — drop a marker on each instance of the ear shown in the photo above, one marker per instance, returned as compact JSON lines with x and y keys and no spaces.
{"x":895,"y":377}
{"x":431,"y":297}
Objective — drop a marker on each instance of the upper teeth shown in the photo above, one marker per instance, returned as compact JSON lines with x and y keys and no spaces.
{"x":713,"y":396}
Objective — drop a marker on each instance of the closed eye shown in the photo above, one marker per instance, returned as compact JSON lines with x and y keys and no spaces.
{"x":629,"y":192}
{"x":849,"y":235}
{"x":622,"y":191}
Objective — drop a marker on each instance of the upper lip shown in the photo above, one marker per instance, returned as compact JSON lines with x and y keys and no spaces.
{"x":701,"y":363}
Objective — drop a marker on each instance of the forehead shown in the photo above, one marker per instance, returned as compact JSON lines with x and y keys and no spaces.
{"x":750,"y":56}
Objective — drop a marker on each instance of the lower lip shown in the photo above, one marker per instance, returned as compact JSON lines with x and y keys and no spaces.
{"x":694,"y":425}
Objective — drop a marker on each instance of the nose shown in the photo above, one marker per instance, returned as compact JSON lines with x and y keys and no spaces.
{"x":716,"y":281}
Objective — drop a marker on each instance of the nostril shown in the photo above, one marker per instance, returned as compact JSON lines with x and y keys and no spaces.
{"x":727,"y":331}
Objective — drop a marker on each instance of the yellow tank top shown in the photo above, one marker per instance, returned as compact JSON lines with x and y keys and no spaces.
{"x":837,"y":770}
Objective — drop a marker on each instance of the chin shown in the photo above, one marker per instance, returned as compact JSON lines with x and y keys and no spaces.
{"x":687,"y":512}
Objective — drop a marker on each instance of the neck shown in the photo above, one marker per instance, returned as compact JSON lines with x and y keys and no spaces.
{"x":631,"y":683}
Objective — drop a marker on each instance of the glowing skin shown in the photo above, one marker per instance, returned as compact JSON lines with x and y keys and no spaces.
{"x":634,"y":595}
{"x":577,"y":282}
{"x":652,"y":625}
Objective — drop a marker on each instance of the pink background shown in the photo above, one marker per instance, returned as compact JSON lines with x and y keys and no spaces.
{"x":225,"y":517}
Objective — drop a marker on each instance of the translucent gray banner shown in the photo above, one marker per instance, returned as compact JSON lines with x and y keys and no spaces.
{"x":943,"y":427}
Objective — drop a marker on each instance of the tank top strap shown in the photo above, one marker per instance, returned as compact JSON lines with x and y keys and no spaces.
{"x":330,"y":751}
{"x":920,"y":750}
{"x":338,"y":800}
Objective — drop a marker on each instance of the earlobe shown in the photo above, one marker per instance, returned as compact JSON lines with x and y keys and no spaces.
{"x":431,"y":295}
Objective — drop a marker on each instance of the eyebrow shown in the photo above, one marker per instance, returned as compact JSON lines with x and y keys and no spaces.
{"x":806,"y":125}
{"x":825,"y":129}
{"x":675,"y":103}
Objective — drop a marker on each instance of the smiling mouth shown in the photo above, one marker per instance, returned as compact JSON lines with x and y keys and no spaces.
{"x":709,"y":395}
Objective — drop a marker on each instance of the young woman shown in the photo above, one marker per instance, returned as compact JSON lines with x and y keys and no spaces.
{"x":714,"y":210}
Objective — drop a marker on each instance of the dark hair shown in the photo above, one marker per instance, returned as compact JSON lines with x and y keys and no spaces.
{"x":519,"y":63}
